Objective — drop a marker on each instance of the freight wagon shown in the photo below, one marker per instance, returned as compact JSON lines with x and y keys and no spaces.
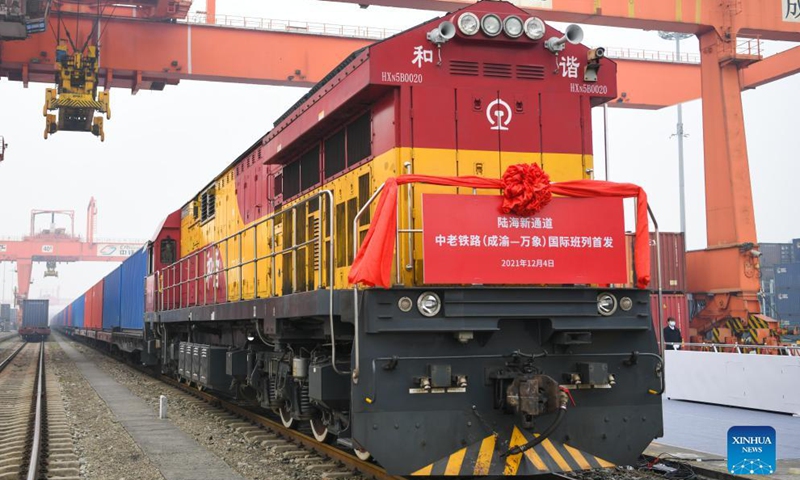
{"x":459,"y":349}
{"x":112,"y":311}
{"x":35,"y":315}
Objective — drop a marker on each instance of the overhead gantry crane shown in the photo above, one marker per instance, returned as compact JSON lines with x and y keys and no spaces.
{"x":148,"y":53}
{"x":56,"y":244}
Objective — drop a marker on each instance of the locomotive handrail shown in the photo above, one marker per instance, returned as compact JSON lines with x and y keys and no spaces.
{"x":357,"y":351}
{"x":175,"y":281}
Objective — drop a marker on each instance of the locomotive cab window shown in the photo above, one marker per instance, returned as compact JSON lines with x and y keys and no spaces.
{"x":167,"y":255}
{"x":278,"y":186}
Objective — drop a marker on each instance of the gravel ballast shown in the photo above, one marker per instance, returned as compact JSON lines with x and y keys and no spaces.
{"x":212,"y":428}
{"x":104,"y":448}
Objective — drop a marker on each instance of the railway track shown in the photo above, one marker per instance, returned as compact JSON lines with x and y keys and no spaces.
{"x":327,"y":460}
{"x":275,"y":434}
{"x":35,"y":441}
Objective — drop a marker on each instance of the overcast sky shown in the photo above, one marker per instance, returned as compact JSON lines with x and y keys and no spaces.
{"x":161,"y":147}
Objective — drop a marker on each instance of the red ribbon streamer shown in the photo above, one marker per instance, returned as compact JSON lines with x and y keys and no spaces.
{"x":525,"y":191}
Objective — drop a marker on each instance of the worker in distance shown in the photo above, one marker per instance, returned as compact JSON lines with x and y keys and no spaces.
{"x":672,"y":335}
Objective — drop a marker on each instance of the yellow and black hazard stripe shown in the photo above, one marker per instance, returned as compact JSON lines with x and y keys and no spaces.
{"x":77,"y":103}
{"x":755,"y":322}
{"x":485,"y":458}
{"x":715,"y":335}
{"x":736,"y":324}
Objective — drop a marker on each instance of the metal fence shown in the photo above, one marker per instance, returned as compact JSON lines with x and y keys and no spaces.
{"x":652,"y":55}
{"x":292,"y":26}
{"x":787,"y":350}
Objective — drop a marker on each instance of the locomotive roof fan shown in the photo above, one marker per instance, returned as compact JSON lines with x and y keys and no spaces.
{"x":573,"y":35}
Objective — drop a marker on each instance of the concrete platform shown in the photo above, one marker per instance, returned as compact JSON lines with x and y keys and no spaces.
{"x":698,"y":433}
{"x":177,"y":456}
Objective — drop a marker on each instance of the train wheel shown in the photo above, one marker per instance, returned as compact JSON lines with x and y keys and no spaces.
{"x":362,"y":455}
{"x":286,"y":417}
{"x":319,"y":430}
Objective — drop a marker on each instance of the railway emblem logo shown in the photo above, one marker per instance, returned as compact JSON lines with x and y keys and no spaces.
{"x":213,"y":267}
{"x":3,"y":247}
{"x":499,"y":114}
{"x":751,"y":450}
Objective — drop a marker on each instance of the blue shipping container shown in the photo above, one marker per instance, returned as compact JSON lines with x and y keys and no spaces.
{"x":134,"y":271}
{"x":787,"y":276}
{"x":787,"y":302}
{"x":78,"y":306}
{"x":111,"y":304}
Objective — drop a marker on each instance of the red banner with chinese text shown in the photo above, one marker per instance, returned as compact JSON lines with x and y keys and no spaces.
{"x":572,"y":240}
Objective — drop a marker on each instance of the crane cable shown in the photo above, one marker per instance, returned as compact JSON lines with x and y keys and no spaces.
{"x":95,"y":27}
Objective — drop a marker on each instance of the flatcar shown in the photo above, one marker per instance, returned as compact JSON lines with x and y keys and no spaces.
{"x":486,"y":342}
{"x":34,"y":326}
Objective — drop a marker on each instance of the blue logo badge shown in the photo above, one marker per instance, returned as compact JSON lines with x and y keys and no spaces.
{"x":751,"y":450}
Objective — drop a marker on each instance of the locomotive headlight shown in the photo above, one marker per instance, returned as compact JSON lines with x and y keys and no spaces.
{"x":491,"y":25}
{"x":429,"y":304}
{"x":626,"y":303}
{"x":534,"y":28}
{"x":405,"y":304}
{"x":468,"y":23}
{"x":512,"y":25}
{"x":606,"y":304}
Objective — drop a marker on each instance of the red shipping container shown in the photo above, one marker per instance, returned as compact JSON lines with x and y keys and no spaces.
{"x":93,"y":314}
{"x":673,"y":262}
{"x":672,"y":305}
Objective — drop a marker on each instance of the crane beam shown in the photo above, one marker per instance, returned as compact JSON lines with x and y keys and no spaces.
{"x":140,"y":54}
{"x":769,"y":20}
{"x":771,"y":68}
{"x":146,"y":55}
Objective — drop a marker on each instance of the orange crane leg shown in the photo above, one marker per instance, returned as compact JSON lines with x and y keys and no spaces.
{"x":725,"y":274}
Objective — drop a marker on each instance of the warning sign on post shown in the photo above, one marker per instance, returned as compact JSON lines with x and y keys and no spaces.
{"x":467,"y":240}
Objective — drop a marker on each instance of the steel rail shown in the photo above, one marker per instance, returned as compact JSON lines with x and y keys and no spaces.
{"x":33,"y":465}
{"x":8,"y":359}
{"x":365,"y":468}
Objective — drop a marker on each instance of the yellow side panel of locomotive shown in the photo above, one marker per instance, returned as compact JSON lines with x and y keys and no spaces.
{"x":305,"y":267}
{"x":567,"y":166}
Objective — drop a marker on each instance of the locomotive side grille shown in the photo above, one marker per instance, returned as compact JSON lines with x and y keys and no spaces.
{"x":497,"y":70}
{"x":530,"y":72}
{"x":315,"y":233}
{"x":461,"y":67}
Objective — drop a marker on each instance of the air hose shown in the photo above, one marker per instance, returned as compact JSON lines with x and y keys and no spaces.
{"x":562,"y":410}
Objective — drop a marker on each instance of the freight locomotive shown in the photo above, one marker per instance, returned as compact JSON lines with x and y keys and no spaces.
{"x":447,"y":370}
